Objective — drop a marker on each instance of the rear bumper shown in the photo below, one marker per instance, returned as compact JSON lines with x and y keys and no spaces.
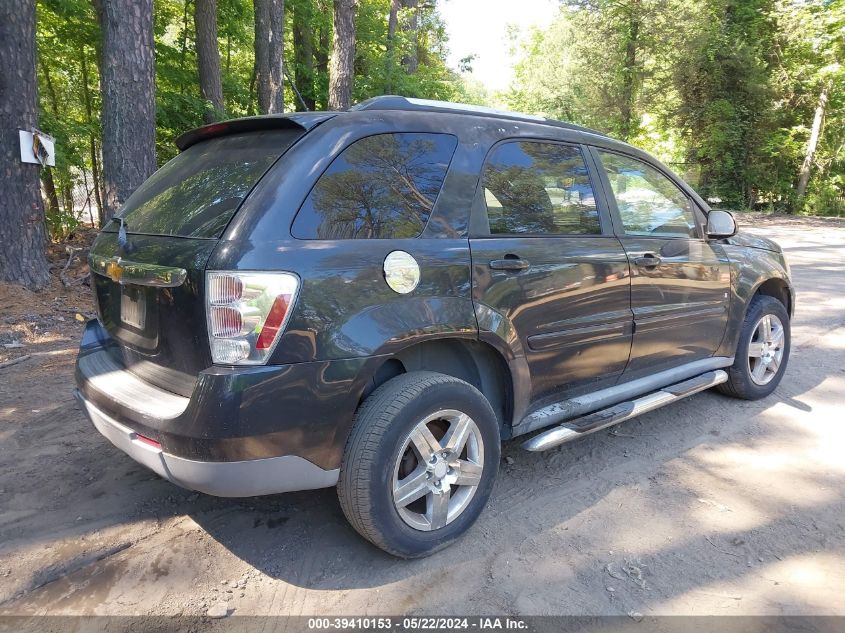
{"x":243,"y":432}
{"x":223,"y":479}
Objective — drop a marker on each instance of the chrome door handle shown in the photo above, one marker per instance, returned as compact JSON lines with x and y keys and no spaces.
{"x":510,"y":263}
{"x":647,"y":261}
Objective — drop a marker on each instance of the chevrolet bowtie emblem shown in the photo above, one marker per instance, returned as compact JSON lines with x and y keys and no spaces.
{"x":114,"y":270}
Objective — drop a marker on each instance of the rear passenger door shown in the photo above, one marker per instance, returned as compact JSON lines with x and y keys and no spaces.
{"x":679,"y":283}
{"x":544,"y":258}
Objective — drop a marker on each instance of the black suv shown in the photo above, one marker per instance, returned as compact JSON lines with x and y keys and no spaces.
{"x":375,"y":299}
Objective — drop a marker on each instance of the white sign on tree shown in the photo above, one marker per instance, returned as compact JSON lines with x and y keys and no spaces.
{"x":38,"y":148}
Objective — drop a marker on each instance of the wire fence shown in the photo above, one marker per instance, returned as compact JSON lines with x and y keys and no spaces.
{"x":84,"y":201}
{"x":77,"y":204}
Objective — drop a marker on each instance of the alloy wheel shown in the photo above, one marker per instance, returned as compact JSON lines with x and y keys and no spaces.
{"x":437,"y":470}
{"x":765,"y":350}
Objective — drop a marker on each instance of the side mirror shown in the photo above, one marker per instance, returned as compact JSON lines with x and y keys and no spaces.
{"x":720,"y":224}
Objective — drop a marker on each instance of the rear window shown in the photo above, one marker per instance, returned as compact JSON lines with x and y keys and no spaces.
{"x":381,"y":186}
{"x":198,"y":192}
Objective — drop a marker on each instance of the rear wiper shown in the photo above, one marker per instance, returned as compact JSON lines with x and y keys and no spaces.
{"x":121,"y":234}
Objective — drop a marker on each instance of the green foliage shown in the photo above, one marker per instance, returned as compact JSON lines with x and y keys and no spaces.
{"x":607,"y":64}
{"x":820,"y":60}
{"x":68,"y":36}
{"x":375,"y":71}
{"x":726,"y":100}
{"x":725,"y":90}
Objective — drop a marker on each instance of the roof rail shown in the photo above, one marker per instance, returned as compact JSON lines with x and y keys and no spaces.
{"x":397,"y":102}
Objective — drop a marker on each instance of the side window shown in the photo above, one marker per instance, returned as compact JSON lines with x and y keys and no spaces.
{"x":650,"y":204}
{"x":381,"y":186}
{"x":538,"y":188}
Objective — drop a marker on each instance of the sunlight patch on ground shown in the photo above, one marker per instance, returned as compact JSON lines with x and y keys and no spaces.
{"x":632,"y":500}
{"x":836,"y":338}
{"x":804,"y":584}
{"x":740,"y":485}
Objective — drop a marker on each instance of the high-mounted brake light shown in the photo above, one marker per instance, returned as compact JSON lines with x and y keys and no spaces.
{"x":246,"y":314}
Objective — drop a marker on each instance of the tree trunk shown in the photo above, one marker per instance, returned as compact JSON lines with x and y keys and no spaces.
{"x":50,"y":191}
{"x":97,"y":158}
{"x":51,"y":91}
{"x":321,"y":59}
{"x":341,"y":68}
{"x":47,"y":172}
{"x":813,"y":142}
{"x":92,"y":139}
{"x":412,"y":59}
{"x":629,"y":76}
{"x":303,"y":51}
{"x":208,"y":58}
{"x":390,"y":53}
{"x":50,"y":182}
{"x":67,"y":197}
{"x":127,"y":83}
{"x":269,"y":55}
{"x":95,"y":173}
{"x":23,"y":235}
{"x":250,"y":110}
{"x":184,"y":45}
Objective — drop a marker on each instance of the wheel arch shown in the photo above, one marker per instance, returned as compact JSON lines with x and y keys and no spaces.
{"x":474,"y":361}
{"x":778,"y":288}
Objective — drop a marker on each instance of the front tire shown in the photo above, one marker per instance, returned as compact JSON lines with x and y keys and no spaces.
{"x":762,"y":352}
{"x":419,"y":464}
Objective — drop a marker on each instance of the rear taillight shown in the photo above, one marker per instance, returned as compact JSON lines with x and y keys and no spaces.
{"x":246,"y":313}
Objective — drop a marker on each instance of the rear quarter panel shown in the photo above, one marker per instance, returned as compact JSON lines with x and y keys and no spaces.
{"x":345,"y":309}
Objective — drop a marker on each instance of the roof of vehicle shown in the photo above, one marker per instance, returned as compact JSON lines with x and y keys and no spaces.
{"x":410,"y":104}
{"x":306,"y":120}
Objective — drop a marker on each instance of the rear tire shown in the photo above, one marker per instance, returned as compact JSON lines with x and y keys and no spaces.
{"x":419,"y":464}
{"x":762,"y":352}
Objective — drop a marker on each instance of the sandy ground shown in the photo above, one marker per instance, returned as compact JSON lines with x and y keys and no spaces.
{"x":710,"y":506}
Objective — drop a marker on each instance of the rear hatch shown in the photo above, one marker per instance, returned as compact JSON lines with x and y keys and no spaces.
{"x":149,"y":262}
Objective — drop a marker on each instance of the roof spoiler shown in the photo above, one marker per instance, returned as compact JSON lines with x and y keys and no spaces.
{"x":302,"y":121}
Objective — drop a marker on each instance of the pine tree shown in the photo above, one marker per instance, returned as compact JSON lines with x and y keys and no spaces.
{"x":22,"y":230}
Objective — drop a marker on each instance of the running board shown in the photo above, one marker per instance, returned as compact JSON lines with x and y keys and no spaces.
{"x":605,"y":418}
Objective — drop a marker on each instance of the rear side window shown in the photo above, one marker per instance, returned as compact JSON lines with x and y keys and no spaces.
{"x":198,"y":192}
{"x":381,"y":186}
{"x":539,"y":188}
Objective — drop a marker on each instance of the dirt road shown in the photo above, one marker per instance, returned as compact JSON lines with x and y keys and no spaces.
{"x":711,"y":506}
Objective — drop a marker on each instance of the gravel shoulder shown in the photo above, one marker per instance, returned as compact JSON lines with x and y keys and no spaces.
{"x":709,"y":506}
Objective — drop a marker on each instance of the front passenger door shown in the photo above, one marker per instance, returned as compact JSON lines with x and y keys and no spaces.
{"x":680,"y":282}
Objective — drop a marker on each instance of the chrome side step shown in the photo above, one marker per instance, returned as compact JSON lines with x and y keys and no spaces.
{"x":559,"y":412}
{"x":605,"y":418}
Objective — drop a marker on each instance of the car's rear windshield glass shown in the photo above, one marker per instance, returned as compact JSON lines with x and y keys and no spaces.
{"x":198,"y":192}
